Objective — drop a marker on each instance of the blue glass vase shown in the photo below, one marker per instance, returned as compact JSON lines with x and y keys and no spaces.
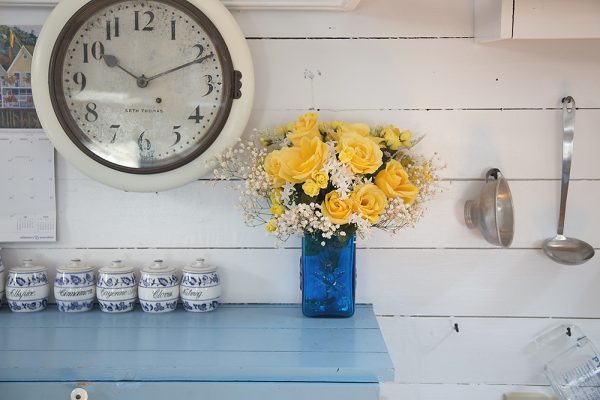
{"x":328,"y":276}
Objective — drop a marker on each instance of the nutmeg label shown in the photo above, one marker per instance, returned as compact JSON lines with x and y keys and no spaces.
{"x":192,"y":294}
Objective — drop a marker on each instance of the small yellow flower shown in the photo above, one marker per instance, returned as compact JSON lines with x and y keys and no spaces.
{"x":311,"y":188}
{"x":321,"y":178}
{"x":405,"y":138}
{"x":277,"y":209}
{"x":392,"y":140}
{"x":266,"y":142}
{"x":271,"y":226}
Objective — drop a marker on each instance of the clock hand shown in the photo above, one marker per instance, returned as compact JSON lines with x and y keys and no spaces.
{"x":112,"y":61}
{"x":196,"y":61}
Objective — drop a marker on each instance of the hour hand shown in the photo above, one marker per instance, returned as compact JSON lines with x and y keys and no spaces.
{"x":112,"y":61}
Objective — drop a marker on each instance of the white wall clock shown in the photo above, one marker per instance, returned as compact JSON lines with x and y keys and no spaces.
{"x":139,"y":94}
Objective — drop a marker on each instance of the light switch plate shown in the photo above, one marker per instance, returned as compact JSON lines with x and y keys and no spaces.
{"x":528,"y":396}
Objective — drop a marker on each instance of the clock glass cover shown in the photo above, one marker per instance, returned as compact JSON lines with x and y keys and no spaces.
{"x":141,"y":87}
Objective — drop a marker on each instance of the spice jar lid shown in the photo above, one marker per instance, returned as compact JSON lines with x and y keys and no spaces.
{"x":75,"y":265}
{"x":158,"y":268}
{"x":116,"y":267}
{"x":200,"y":266}
{"x":28,"y":267}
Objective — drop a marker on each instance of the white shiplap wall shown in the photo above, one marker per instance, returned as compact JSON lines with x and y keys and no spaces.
{"x":413,"y":63}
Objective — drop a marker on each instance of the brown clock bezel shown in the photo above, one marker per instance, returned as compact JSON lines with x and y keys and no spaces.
{"x":71,"y":128}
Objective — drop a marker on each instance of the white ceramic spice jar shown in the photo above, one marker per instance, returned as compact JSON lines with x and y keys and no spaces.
{"x":27,"y":287}
{"x":116,"y":288}
{"x":200,"y":287}
{"x":158,"y":288}
{"x":75,"y":287}
{"x":2,"y":283}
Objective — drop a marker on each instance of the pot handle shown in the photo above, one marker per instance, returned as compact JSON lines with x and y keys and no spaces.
{"x":492,"y":173}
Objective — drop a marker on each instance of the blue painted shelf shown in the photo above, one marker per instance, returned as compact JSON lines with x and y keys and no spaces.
{"x":237,"y":352}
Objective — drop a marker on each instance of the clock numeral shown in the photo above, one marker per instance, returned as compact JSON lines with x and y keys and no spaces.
{"x":79,"y":78}
{"x":200,"y":50}
{"x":173,"y":30}
{"x":91,"y":115}
{"x":97,"y":51}
{"x":116,"y":128}
{"x":196,"y":116}
{"x":150,"y":15}
{"x":143,"y":143}
{"x":177,"y":134}
{"x":209,"y":82}
{"x":109,"y":30}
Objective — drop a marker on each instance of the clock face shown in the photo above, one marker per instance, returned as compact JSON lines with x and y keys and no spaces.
{"x":141,"y":86}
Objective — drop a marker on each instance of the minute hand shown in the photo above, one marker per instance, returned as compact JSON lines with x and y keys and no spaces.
{"x":196,"y":61}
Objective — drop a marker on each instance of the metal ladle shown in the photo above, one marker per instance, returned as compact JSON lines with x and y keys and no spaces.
{"x":562,"y":249}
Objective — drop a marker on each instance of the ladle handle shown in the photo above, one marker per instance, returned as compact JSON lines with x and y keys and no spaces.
{"x":568,"y":105}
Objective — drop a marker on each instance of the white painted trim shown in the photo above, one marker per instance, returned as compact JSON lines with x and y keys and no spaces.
{"x":328,"y":5}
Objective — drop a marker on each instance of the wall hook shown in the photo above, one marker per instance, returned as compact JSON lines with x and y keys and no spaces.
{"x":456,"y":328}
{"x":569,"y":331}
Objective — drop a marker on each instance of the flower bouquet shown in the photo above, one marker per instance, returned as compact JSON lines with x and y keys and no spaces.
{"x":330,"y":181}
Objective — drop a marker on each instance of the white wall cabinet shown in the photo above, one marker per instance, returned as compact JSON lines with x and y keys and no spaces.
{"x":536,"y":19}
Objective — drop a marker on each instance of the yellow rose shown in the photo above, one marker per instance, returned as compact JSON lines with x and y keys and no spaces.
{"x":311,"y":188}
{"x":321,"y":178}
{"x":370,"y":201}
{"x":273,"y":166}
{"x":277,"y":209}
{"x":394,"y":182}
{"x":271,"y":226}
{"x":362,"y":154}
{"x":307,"y":126}
{"x":299,"y":162}
{"x":338,"y":211}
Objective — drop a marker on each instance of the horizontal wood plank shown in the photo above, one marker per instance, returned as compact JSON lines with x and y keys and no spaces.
{"x":460,"y":391}
{"x":485,"y":351}
{"x":424,"y":74}
{"x":190,"y":390}
{"x":523,"y":144}
{"x":177,"y":353}
{"x":398,"y":282}
{"x":409,"y":18}
{"x":203,"y":215}
{"x":280,"y":316}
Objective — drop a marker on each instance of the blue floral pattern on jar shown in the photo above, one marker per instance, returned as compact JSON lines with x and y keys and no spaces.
{"x":113,"y":282}
{"x":28,"y":279}
{"x":200,"y":280}
{"x":73,"y":306}
{"x":36,"y":305}
{"x":200,"y":307}
{"x":121,"y":306}
{"x":158,"y":306}
{"x":161,"y":281}
{"x":82,"y":279}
